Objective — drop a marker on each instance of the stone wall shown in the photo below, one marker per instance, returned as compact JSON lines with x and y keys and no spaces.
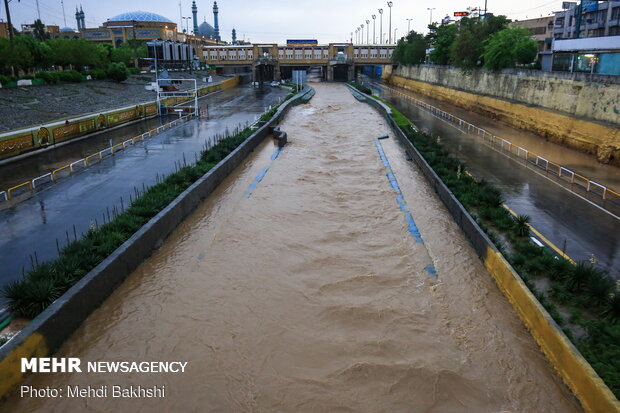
{"x":582,"y":115}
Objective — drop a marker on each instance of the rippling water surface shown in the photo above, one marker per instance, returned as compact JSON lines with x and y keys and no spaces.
{"x":308,"y":293}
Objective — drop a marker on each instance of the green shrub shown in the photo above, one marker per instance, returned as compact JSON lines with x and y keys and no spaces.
{"x":4,"y":80}
{"x":134,"y":71}
{"x":97,"y":74}
{"x":49,"y":77}
{"x":70,"y":76}
{"x":521,"y":225}
{"x":117,"y":72}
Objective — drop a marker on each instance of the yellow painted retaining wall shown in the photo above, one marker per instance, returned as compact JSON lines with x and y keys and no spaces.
{"x":586,"y":136}
{"x":20,"y":141}
{"x":576,"y":372}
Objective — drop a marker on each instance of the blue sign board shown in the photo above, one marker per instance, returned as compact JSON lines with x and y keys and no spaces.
{"x":590,"y":5}
{"x":302,"y":42}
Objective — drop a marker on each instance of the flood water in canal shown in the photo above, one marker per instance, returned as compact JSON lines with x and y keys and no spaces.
{"x":305,"y":291}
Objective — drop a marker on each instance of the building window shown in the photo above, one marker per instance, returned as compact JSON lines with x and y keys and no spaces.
{"x":615,"y":13}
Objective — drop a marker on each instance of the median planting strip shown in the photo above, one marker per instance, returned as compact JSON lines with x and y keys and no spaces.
{"x":580,"y":298}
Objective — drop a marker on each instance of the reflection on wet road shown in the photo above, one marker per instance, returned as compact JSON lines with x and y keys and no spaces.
{"x":572,"y":224}
{"x":35,"y":224}
{"x":311,"y":295}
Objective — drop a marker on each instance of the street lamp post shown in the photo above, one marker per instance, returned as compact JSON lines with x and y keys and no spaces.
{"x":409,"y":25}
{"x":380,"y":26}
{"x":431,"y":10}
{"x":374,"y":38}
{"x":186,"y":24}
{"x":367,"y":31}
{"x":389,"y":3}
{"x":362,"y":36}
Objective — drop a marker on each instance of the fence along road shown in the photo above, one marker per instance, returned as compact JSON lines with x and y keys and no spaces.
{"x":35,"y":224}
{"x":579,"y":226}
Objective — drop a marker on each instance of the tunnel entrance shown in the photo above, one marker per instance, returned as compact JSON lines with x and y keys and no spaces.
{"x":341,"y":73}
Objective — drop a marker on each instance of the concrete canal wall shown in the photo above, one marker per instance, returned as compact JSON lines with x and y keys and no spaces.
{"x":579,"y":114}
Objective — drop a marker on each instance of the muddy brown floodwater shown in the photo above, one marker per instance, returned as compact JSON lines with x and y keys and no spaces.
{"x":307,"y":293}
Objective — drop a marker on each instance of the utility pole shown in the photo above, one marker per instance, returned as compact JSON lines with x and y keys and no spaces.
{"x":8,"y":20}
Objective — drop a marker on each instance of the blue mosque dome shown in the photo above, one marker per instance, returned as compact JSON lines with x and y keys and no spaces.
{"x":140,"y":16}
{"x":67,"y":29}
{"x":205,"y":30}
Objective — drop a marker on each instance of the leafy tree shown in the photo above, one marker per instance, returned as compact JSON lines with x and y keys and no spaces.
{"x":509,"y":47}
{"x":442,"y":39}
{"x":39,"y":31}
{"x":75,"y":52}
{"x":411,"y":50}
{"x":40,"y":52}
{"x":14,"y":57}
{"x":468,"y":47}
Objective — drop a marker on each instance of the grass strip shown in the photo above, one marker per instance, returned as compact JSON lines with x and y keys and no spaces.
{"x":581,"y":298}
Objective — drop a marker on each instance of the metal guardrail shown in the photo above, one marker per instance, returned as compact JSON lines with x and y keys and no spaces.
{"x":558,"y":171}
{"x":53,"y":176}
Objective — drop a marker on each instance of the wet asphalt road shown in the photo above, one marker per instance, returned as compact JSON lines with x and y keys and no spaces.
{"x":35,"y":224}
{"x":567,"y":220}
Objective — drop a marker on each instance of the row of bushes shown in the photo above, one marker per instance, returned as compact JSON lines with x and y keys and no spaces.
{"x":585,"y":291}
{"x":44,"y":284}
{"x":115,"y":71}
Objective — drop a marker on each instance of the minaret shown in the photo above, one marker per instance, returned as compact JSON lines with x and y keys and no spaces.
{"x":195,"y":16}
{"x":216,"y":31}
{"x":82,"y":17}
{"x":77,"y":19}
{"x":234,"y":36}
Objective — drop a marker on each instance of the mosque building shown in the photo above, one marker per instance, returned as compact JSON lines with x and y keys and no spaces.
{"x":148,"y":26}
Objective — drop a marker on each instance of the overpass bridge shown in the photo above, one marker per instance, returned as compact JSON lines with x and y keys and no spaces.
{"x":270,"y":61}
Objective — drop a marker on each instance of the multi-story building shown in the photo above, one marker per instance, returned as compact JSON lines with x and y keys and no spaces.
{"x":542,"y":30}
{"x":597,"y":19}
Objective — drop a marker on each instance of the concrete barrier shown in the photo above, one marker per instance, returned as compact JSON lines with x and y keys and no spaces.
{"x":565,"y":358}
{"x":46,"y":333}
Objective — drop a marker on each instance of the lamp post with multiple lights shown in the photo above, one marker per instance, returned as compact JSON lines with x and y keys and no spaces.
{"x":431,"y":10}
{"x":374,"y":19}
{"x":390,"y":4}
{"x":380,"y":26}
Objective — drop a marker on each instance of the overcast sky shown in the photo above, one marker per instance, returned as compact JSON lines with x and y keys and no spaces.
{"x":278,"y":20}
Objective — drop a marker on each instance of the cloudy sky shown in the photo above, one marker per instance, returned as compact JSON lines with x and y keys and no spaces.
{"x":278,"y":20}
